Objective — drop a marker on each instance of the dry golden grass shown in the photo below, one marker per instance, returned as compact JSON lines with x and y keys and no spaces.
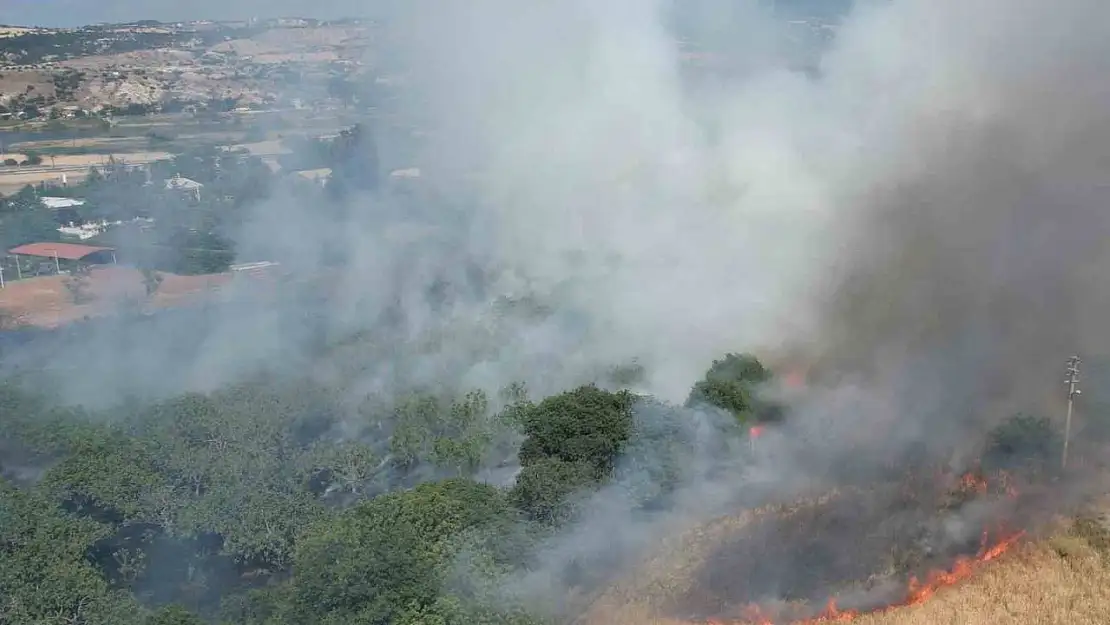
{"x":1058,"y":581}
{"x":13,"y":31}
{"x":13,"y":81}
{"x":1063,"y":579}
{"x":106,"y":144}
{"x":74,"y":166}
{"x":669,"y":572}
{"x":86,"y":160}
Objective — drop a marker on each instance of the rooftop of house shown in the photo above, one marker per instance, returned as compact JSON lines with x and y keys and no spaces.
{"x":180,"y":183}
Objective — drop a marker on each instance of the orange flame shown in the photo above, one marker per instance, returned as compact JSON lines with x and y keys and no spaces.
{"x":755,"y":431}
{"x":917,"y":592}
{"x":972,"y":482}
{"x":795,"y":378}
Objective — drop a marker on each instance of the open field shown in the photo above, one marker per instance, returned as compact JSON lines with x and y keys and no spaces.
{"x":46,"y":302}
{"x":14,"y":184}
{"x":13,"y":31}
{"x":74,"y":166}
{"x":121,"y":145}
{"x":103,"y":144}
{"x":25,"y":81}
{"x":86,"y":160}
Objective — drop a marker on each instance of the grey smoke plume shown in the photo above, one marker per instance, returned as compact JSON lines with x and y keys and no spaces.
{"x":925,"y":219}
{"x":568,"y":160}
{"x":972,"y":251}
{"x":922,"y":220}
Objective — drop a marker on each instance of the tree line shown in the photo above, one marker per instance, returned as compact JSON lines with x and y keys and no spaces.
{"x":272,"y":502}
{"x":245,"y":506}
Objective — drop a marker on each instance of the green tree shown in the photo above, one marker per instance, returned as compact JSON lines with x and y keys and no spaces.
{"x":587,"y":425}
{"x":151,"y":281}
{"x":111,"y":477}
{"x":731,"y":384}
{"x":25,"y":219}
{"x":545,"y":490}
{"x":173,"y":615}
{"x":44,"y":574}
{"x":388,"y":555}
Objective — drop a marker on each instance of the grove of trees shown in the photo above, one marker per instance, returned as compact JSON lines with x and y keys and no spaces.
{"x":282,"y":501}
{"x":272,"y":502}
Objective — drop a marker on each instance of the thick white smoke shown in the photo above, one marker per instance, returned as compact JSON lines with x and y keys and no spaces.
{"x":682,"y":222}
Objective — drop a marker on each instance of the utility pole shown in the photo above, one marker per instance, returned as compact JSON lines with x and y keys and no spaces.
{"x":1072,"y":380}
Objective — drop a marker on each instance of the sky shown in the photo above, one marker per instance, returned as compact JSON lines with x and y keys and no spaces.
{"x":68,"y":13}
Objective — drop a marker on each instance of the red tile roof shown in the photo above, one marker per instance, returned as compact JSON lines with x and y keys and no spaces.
{"x":68,"y":251}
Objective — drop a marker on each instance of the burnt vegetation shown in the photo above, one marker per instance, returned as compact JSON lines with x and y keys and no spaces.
{"x":275,"y":501}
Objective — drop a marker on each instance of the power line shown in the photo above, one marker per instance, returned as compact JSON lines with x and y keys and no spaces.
{"x":1072,"y":380}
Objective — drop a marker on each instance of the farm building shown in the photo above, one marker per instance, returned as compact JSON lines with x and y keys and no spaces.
{"x":63,"y":255}
{"x":184,"y":185}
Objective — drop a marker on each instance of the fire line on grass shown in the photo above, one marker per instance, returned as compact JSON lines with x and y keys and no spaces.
{"x":992,"y":545}
{"x":917,"y":591}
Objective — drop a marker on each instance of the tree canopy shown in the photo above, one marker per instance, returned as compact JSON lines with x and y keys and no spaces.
{"x":245,"y":506}
{"x":275,"y":502}
{"x":732,"y":384}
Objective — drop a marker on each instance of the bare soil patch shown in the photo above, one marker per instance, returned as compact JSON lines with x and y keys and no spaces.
{"x":106,"y":144}
{"x":86,"y":160}
{"x":47,"y":302}
{"x":14,"y":82}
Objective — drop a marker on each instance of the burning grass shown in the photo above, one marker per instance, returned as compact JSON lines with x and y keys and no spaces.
{"x":1033,"y":584}
{"x":855,"y":554}
{"x":917,"y":591}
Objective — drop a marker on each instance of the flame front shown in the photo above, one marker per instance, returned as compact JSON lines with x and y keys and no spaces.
{"x":917,"y":591}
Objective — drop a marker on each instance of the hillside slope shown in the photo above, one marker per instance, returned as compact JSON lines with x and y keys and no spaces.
{"x":1063,"y":578}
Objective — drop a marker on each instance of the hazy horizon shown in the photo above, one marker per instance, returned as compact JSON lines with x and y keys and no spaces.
{"x":75,"y":13}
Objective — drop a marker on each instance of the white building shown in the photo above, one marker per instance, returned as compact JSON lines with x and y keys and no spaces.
{"x":184,"y":185}
{"x":56,"y":203}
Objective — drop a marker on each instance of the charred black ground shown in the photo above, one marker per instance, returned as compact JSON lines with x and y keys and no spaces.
{"x":860,"y":547}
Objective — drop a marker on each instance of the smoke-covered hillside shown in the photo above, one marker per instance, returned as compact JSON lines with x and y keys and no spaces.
{"x":489,"y":392}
